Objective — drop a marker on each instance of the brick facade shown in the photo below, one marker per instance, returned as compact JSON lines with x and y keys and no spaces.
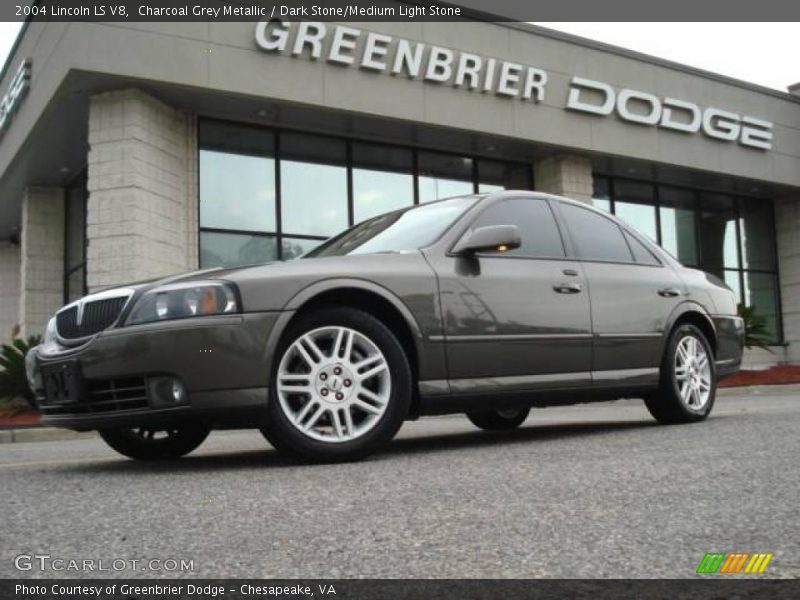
{"x":142,"y":197}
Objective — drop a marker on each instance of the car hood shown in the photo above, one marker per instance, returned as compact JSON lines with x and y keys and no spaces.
{"x":271,"y":286}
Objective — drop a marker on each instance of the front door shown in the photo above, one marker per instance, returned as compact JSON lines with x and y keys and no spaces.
{"x":518,"y":319}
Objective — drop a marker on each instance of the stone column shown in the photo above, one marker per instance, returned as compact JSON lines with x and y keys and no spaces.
{"x":787,"y":226}
{"x":9,"y":289}
{"x":141,"y":182}
{"x":42,"y":258}
{"x":565,"y":175}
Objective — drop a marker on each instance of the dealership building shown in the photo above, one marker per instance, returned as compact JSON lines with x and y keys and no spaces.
{"x":130,"y":151}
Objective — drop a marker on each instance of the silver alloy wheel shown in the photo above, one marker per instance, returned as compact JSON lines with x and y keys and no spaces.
{"x":692,"y":373}
{"x":333,"y":384}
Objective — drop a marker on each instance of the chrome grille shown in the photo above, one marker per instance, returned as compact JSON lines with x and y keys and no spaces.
{"x":96,"y":316}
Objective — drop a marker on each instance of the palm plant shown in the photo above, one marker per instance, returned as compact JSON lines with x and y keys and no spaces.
{"x":755,"y":327}
{"x":13,"y":382}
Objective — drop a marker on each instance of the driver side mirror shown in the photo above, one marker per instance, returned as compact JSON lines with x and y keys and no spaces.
{"x":493,"y":238}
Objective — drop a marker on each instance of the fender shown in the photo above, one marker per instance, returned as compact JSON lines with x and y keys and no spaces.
{"x":683,"y":308}
{"x":310,"y":292}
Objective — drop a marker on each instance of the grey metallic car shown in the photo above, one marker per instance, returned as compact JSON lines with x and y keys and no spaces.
{"x":484,"y":304}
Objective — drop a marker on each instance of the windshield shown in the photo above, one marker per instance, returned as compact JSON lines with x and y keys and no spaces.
{"x":408,"y":229}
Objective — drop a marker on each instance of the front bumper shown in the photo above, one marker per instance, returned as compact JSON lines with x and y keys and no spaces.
{"x":222,"y":362}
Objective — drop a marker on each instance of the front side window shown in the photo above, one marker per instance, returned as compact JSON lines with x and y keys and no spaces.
{"x":595,"y":236}
{"x":537,"y":225}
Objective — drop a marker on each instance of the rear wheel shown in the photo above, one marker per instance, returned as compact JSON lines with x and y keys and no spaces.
{"x":499,"y":420}
{"x":688,"y":379}
{"x":341,"y":387}
{"x":153,"y":443}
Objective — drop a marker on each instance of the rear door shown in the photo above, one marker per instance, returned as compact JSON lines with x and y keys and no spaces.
{"x":632,"y":295}
{"x":517,"y":319}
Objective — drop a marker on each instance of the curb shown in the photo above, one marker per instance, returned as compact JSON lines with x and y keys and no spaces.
{"x":42,"y":434}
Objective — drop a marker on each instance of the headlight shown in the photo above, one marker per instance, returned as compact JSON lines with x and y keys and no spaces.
{"x":182,"y":300}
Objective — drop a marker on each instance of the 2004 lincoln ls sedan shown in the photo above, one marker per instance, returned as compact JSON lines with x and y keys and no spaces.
{"x":482,"y":304}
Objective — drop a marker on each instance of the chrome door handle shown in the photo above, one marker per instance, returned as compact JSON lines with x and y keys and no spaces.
{"x":567,"y":288}
{"x":669,"y":292}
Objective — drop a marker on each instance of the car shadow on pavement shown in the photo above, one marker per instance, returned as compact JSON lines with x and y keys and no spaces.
{"x":438,"y":442}
{"x":530,"y":434}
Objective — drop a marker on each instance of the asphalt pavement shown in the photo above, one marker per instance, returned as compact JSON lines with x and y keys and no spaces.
{"x":584,"y":491}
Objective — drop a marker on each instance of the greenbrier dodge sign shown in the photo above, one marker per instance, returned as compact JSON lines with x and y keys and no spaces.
{"x":380,"y":52}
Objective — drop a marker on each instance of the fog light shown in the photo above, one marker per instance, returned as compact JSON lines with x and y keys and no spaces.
{"x":167,"y":391}
{"x":178,"y":391}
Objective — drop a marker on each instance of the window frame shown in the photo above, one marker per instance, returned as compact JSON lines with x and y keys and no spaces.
{"x":547,"y":202}
{"x":349,"y":165}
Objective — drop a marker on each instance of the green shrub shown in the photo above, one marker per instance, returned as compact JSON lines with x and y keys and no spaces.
{"x":13,"y":383}
{"x":756,"y":334}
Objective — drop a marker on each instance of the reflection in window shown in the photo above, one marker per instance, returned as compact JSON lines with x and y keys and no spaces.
{"x":639,"y":216}
{"x":313,"y":198}
{"x":758,"y":250}
{"x":295,"y":247}
{"x":443,"y":175}
{"x":760,"y":294}
{"x":634,"y":203}
{"x":678,"y":226}
{"x":237,"y":191}
{"x":382,"y":180}
{"x":718,"y":239}
{"x":496,"y":176}
{"x":596,"y":237}
{"x":232,"y":249}
{"x":537,"y":225}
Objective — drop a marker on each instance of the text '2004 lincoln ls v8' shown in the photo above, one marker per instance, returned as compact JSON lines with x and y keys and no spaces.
{"x":482,"y":304}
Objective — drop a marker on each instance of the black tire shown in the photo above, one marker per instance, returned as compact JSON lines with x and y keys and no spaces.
{"x":667,"y":405}
{"x":499,"y":420}
{"x":285,"y":437}
{"x":144,"y":443}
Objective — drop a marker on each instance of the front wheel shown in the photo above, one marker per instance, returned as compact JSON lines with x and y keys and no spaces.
{"x":341,"y":387}
{"x":688,"y":379}
{"x":154,"y":443}
{"x":499,"y":420}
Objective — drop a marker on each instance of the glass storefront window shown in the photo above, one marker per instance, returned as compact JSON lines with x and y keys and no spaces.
{"x":495,"y":176}
{"x":313,"y":185}
{"x":383,"y":180}
{"x":237,"y":191}
{"x":232,"y":249}
{"x":444,"y":175}
{"x":678,"y":223}
{"x":75,"y":239}
{"x":601,"y":198}
{"x":295,"y":247}
{"x":760,"y":294}
{"x":757,"y":231}
{"x":718,"y":233}
{"x":634,"y":203}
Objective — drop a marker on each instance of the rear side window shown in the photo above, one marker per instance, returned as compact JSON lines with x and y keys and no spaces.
{"x":595,"y":236}
{"x":640,"y":252}
{"x":537,"y":226}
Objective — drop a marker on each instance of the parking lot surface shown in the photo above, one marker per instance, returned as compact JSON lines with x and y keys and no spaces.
{"x":584,"y":491}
